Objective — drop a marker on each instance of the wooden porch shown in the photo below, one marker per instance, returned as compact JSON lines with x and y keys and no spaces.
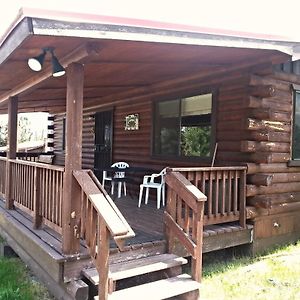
{"x":36,"y":190}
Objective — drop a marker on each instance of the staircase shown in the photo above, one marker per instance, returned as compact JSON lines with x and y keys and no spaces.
{"x":174,"y":285}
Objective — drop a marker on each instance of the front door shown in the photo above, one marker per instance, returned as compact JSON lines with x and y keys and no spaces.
{"x":103,"y":141}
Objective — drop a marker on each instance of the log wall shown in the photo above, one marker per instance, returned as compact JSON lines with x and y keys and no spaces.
{"x":253,"y":127}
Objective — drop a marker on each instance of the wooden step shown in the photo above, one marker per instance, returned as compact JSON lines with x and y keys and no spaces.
{"x":137,"y":267}
{"x":157,"y":290}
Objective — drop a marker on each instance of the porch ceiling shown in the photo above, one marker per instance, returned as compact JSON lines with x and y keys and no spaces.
{"x":119,"y":66}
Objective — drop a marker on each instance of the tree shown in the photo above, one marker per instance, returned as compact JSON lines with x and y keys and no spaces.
{"x":195,"y":141}
{"x":3,"y":134}
{"x":24,"y":132}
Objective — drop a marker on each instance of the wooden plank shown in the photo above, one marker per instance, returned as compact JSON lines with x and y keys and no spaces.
{"x":158,"y":290}
{"x":137,"y":267}
{"x":226,"y":240}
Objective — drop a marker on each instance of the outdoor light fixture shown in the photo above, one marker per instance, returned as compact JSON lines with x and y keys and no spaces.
{"x":36,"y":63}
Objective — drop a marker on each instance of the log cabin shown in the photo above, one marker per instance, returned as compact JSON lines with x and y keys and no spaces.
{"x":219,"y":109}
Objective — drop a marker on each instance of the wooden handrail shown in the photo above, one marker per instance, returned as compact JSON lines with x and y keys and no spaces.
{"x":101,"y":205}
{"x":37,"y":164}
{"x":184,"y":218}
{"x":100,"y":221}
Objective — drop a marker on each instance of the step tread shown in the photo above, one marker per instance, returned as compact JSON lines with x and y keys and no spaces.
{"x":161,"y":289}
{"x":137,"y":267}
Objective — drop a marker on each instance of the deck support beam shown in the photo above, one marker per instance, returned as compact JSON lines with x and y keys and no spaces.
{"x":11,"y":149}
{"x":71,"y":194}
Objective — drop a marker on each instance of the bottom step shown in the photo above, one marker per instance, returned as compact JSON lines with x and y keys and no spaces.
{"x":157,"y":290}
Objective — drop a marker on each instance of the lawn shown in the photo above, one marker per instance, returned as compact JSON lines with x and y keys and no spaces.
{"x":17,"y":283}
{"x":275,"y":276}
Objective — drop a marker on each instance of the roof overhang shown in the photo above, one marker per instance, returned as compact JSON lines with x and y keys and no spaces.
{"x":184,"y":50}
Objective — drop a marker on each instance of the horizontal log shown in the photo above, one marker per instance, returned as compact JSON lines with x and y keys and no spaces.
{"x":263,"y":91}
{"x":253,"y":146}
{"x":260,"y":179}
{"x":253,"y":124}
{"x":278,"y":84}
{"x":284,"y":105}
{"x":267,"y":201}
{"x":268,"y":114}
{"x":237,"y":134}
{"x":284,"y":208}
{"x":270,"y":168}
{"x":286,"y":177}
{"x":288,"y":77}
{"x":253,"y":190}
{"x":260,"y":157}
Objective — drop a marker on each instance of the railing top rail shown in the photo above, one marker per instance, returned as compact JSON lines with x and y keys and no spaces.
{"x":229,"y":168}
{"x":3,"y":158}
{"x":114,"y":224}
{"x":180,"y":184}
{"x":37,"y":164}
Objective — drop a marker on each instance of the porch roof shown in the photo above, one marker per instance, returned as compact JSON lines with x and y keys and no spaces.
{"x":121,"y":56}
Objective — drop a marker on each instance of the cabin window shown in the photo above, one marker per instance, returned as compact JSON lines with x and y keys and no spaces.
{"x":182,"y":127}
{"x":296,"y":126}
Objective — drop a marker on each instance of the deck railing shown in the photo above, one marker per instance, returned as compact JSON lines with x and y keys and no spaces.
{"x":184,"y":218}
{"x":38,"y":190}
{"x":100,"y":221}
{"x":2,"y":176}
{"x":225,"y":188}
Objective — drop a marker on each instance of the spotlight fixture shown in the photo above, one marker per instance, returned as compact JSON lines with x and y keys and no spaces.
{"x":36,"y":63}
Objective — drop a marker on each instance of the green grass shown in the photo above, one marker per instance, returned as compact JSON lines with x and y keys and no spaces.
{"x":16,"y":283}
{"x":273,"y":276}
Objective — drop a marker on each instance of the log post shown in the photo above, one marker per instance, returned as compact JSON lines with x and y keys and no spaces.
{"x":71,"y":193}
{"x":11,"y":149}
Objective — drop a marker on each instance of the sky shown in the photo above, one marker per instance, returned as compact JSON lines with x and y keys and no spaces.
{"x":261,"y":16}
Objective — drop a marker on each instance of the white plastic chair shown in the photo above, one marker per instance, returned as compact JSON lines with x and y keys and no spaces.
{"x":105,"y":177}
{"x":119,"y":177}
{"x":149,"y":182}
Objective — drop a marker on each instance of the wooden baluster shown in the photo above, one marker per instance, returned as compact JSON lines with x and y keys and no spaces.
{"x":235,"y":199}
{"x":57,"y":206}
{"x":179,"y":212}
{"x":53,"y":195}
{"x":43,"y":191}
{"x":186,"y":223}
{"x":242,"y":195}
{"x":61,"y":187}
{"x":224,"y":173}
{"x":83,"y":214}
{"x":37,"y":219}
{"x":93,"y":245}
{"x":210,"y":193}
{"x":216,"y":206}
{"x":229,"y":204}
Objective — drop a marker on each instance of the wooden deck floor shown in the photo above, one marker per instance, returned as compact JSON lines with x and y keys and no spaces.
{"x":146,"y":222}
